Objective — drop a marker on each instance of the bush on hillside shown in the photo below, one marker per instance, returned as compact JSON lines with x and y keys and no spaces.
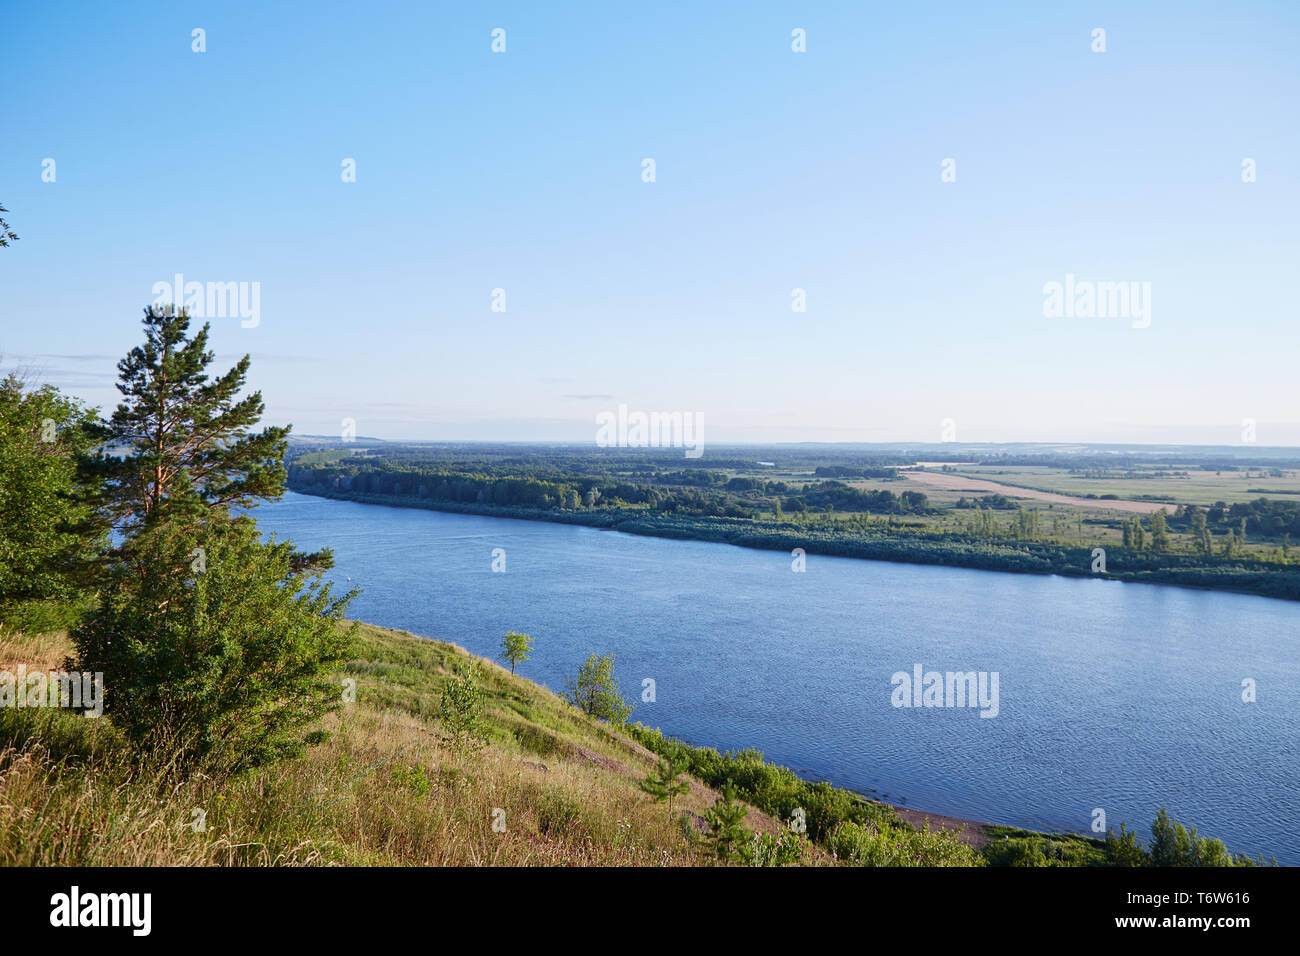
{"x":595,"y":691}
{"x":218,"y":652}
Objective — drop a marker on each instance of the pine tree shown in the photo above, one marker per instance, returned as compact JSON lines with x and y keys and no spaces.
{"x":662,"y":782}
{"x":188,"y":452}
{"x":7,"y":235}
{"x":727,"y":838}
{"x":186,"y":437}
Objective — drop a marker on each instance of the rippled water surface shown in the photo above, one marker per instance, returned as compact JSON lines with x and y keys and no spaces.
{"x":1123,"y":697}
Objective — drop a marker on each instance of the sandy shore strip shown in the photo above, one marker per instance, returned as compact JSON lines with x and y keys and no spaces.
{"x":968,"y":831}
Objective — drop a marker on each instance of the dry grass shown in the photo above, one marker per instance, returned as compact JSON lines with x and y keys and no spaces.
{"x":37,"y":651}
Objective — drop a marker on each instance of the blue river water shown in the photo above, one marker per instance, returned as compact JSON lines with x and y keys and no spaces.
{"x":1119,"y":697}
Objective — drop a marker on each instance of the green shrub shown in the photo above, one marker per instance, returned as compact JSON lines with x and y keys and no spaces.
{"x":1022,"y":851}
{"x":781,"y":849}
{"x":596,"y":692}
{"x":539,"y":741}
{"x":773,"y":789}
{"x":1124,"y":850}
{"x":50,"y":535}
{"x":900,"y":845}
{"x":1172,"y":844}
{"x":44,"y":616}
{"x":414,"y":778}
{"x":557,"y":813}
{"x":223,"y":667}
{"x":462,"y":708}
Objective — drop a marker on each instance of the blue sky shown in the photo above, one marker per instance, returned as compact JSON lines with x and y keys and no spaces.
{"x":775,"y":170}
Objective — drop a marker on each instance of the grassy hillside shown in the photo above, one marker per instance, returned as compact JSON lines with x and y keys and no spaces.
{"x":384,"y":790}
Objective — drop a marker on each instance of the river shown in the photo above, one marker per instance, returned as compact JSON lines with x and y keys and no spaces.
{"x":1119,"y":697}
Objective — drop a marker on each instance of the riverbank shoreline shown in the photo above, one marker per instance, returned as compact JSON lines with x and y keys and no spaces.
{"x":1279,"y":583}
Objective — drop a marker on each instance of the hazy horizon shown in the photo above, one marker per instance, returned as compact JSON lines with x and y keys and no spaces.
{"x":1254,"y":448}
